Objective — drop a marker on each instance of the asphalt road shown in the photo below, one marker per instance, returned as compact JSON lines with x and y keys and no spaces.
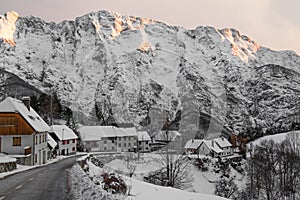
{"x":48,"y":182}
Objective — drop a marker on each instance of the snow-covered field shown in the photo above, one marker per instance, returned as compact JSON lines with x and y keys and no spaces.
{"x":278,"y":138}
{"x":88,"y":186}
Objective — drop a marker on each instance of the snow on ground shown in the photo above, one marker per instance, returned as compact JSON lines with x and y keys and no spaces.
{"x":147,"y":191}
{"x":277,"y":138}
{"x":86,"y":186}
{"x":146,"y":164}
{"x":6,"y":159}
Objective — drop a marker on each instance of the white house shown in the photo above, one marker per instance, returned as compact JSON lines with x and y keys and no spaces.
{"x":144,"y":141}
{"x":192,"y":146}
{"x":23,"y":132}
{"x":218,"y":147}
{"x":108,"y":138}
{"x":225,"y":145}
{"x":51,"y":146}
{"x":65,"y":139}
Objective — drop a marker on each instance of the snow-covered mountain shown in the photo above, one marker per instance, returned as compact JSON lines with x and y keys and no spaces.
{"x":134,"y":69}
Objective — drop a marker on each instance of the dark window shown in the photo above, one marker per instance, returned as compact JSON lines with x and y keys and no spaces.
{"x":74,"y":140}
{"x":16,"y":141}
{"x":73,"y":149}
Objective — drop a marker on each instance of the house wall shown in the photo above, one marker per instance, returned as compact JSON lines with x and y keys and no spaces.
{"x":68,"y":147}
{"x":203,"y":149}
{"x":127,"y":143}
{"x":14,"y":124}
{"x":113,"y":144}
{"x":40,"y":148}
{"x":228,"y":151}
{"x":7,"y":144}
{"x":144,"y":146}
{"x":91,"y":146}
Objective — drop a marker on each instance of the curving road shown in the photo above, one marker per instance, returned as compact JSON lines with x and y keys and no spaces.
{"x":48,"y":182}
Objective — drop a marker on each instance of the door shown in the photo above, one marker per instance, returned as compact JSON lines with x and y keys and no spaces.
{"x":40,"y":155}
{"x":44,"y":157}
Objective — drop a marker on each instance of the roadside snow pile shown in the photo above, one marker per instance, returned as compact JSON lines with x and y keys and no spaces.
{"x":88,"y":185}
{"x":84,"y":188}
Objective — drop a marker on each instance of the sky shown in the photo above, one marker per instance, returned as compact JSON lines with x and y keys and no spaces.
{"x":271,"y":23}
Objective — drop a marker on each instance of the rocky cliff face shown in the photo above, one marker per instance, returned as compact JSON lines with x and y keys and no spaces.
{"x":131,"y":69}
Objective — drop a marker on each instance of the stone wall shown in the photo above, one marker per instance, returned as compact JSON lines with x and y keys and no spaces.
{"x":9,"y":166}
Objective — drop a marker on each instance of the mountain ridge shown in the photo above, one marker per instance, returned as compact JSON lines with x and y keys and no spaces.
{"x":119,"y":63}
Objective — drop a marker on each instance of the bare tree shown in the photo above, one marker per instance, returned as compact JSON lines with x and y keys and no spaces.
{"x":130,"y":159}
{"x":226,"y":187}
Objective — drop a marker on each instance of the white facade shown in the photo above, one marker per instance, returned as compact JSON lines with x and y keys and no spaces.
{"x":40,"y":148}
{"x":144,"y":142}
{"x":30,"y":148}
{"x":108,"y":138}
{"x":65,"y":139}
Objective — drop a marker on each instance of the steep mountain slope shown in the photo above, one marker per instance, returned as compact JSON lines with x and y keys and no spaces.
{"x":130,"y":69}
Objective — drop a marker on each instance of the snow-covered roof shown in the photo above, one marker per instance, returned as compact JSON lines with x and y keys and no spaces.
{"x":193,"y":144}
{"x":63,"y":132}
{"x":11,"y":105}
{"x":143,"y":136}
{"x":222,"y":142}
{"x":95,"y":133}
{"x":51,"y":141}
{"x":90,"y":133}
{"x":211,"y":145}
{"x":131,"y":131}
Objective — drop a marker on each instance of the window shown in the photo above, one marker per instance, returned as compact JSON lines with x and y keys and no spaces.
{"x":73,"y":149}
{"x":104,"y":142}
{"x":120,"y":145}
{"x":146,"y":142}
{"x":36,"y":139}
{"x":105,"y":148}
{"x":140,"y":142}
{"x":124,"y":144}
{"x":112,"y":148}
{"x":16,"y":141}
{"x":74,"y":140}
{"x":68,"y":141}
{"x":64,"y":142}
{"x":35,"y":158}
{"x":129,"y":144}
{"x":112,"y":141}
{"x":119,"y":139}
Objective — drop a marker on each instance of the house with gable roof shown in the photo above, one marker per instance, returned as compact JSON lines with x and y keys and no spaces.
{"x":108,"y":138}
{"x":218,"y":147}
{"x":144,"y":141}
{"x":65,"y":138}
{"x":23,"y":133}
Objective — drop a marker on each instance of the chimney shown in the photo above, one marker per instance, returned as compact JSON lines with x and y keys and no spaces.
{"x":26,"y":101}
